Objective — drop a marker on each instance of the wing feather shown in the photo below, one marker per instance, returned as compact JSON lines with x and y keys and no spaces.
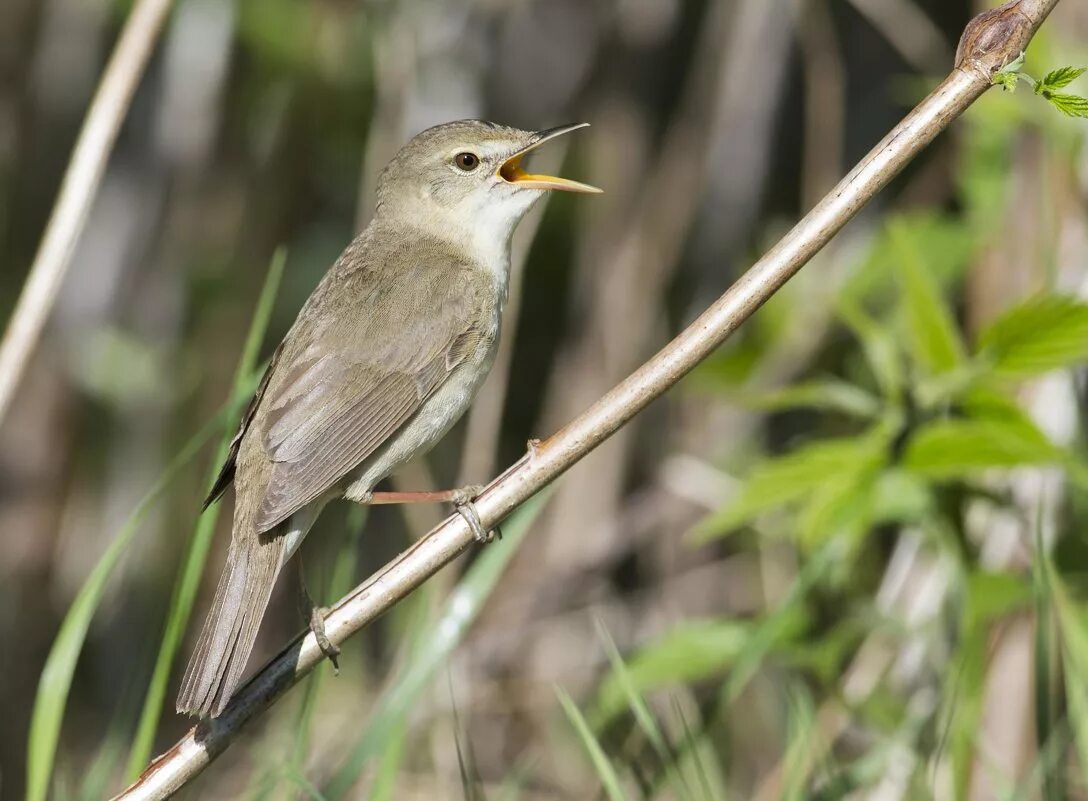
{"x":226,"y":472}
{"x":367,"y":351}
{"x":343,"y":391}
{"x":345,"y":439}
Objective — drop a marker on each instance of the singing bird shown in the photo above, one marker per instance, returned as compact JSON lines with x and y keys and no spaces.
{"x":384,"y":357}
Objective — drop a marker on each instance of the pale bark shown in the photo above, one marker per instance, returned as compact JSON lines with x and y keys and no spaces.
{"x":78,"y":190}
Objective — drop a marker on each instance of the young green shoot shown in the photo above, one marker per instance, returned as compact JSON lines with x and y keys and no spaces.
{"x":1069,"y":104}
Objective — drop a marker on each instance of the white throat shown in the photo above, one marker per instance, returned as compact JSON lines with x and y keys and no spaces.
{"x":482,"y":226}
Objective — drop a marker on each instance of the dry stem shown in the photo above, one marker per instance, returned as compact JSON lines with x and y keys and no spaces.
{"x":85,"y":171}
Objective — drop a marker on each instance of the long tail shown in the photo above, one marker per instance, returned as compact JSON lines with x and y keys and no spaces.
{"x":230,"y":630}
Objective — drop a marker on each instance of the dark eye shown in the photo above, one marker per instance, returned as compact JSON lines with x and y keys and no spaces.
{"x":467,"y":161}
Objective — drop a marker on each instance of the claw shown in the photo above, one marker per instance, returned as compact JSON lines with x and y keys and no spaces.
{"x":317,"y":626}
{"x":468,"y":511}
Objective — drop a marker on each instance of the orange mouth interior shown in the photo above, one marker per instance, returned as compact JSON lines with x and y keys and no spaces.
{"x":512,"y":172}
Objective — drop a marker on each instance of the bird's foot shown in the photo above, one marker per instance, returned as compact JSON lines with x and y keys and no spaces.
{"x":460,"y":498}
{"x":317,"y":620}
{"x":467,"y":509}
{"x":464,"y":495}
{"x":328,"y":648}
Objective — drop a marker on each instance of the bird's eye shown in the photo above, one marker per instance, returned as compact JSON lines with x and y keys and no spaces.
{"x":466,"y":161}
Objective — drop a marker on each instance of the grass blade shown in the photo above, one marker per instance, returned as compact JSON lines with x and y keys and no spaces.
{"x":196,"y":554}
{"x":97,"y":776}
{"x":1046,"y":731}
{"x":605,"y":771}
{"x":800,"y":749}
{"x":694,"y":750}
{"x":385,"y":779}
{"x":56,"y":679}
{"x":643,"y":715}
{"x":435,"y":642}
{"x":338,"y":586}
{"x":1073,"y":630}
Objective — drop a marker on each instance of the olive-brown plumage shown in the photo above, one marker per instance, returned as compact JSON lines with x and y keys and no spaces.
{"x":383,"y":358}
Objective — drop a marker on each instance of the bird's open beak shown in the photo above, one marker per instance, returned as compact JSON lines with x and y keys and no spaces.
{"x":512,"y":173}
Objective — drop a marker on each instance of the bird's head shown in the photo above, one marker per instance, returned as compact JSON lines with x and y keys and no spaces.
{"x":469,"y":173}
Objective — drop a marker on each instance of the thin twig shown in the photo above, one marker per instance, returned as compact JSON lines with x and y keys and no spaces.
{"x":990,"y":41}
{"x":77,"y":192}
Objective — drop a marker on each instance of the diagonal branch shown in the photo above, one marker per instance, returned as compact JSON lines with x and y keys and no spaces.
{"x":92,"y":151}
{"x":989,"y":42}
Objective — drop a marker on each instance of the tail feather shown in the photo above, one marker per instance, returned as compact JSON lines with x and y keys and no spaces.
{"x":230,"y":631}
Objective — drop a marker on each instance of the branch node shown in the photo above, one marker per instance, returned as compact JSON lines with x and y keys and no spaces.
{"x":995,"y":38}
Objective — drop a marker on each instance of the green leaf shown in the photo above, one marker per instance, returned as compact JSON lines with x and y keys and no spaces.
{"x":879,"y":346}
{"x":937,"y":392}
{"x":932,"y":334}
{"x":841,"y":507}
{"x":1006,"y":80}
{"x":849,"y":506}
{"x":1059,"y":78}
{"x":605,"y":770}
{"x":782,"y":626}
{"x":788,"y":479}
{"x":687,"y":652}
{"x":1008,"y":75}
{"x":991,"y":596}
{"x":1070,"y":105}
{"x":958,"y":448}
{"x":1046,"y":332}
{"x":829,"y":394}
{"x":899,"y":496}
{"x":695,"y":650}
{"x":946,"y":245}
{"x":196,"y":554}
{"x":984,"y":402}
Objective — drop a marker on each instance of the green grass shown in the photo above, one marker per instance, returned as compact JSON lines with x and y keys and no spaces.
{"x":432,"y":643}
{"x":56,"y":679}
{"x":606,"y":771}
{"x":196,"y":552}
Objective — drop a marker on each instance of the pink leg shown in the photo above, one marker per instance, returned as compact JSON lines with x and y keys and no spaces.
{"x":460,"y":498}
{"x":437,"y":496}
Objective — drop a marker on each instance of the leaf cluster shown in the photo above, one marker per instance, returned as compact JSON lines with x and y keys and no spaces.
{"x":936,"y":410}
{"x":1069,"y":104}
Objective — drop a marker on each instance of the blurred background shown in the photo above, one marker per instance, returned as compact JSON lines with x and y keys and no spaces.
{"x":843,"y":559}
